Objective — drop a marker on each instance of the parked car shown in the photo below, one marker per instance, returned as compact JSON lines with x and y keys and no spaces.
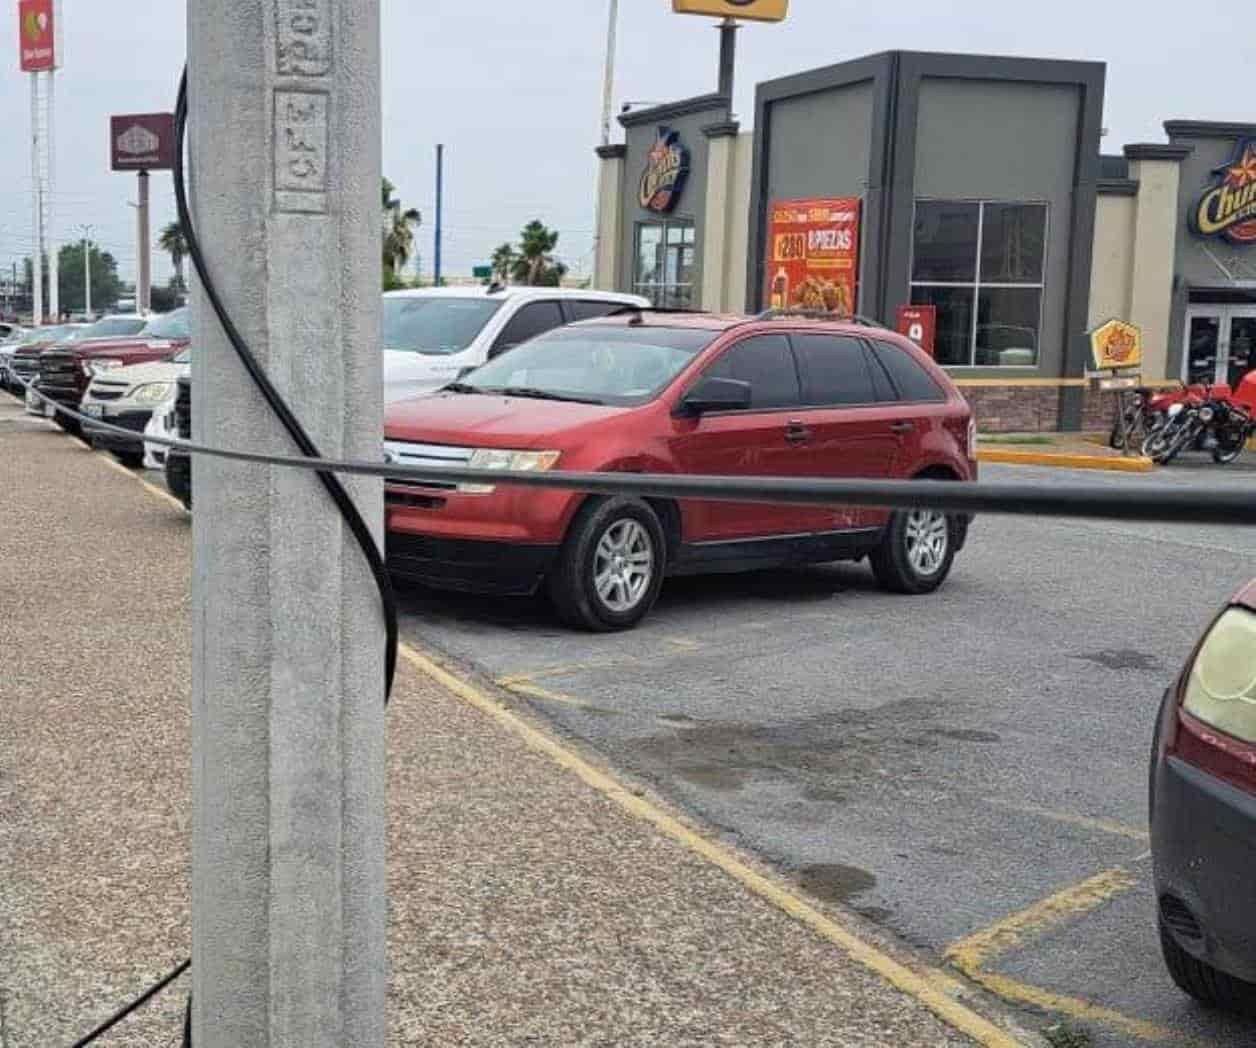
{"x":23,"y":363}
{"x":116,"y":341}
{"x":658,"y":393}
{"x":1203,"y":814}
{"x":130,"y":397}
{"x":178,"y":464}
{"x":431,"y":335}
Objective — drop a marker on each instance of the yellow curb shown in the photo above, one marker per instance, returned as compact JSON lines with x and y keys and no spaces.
{"x":931,"y":987}
{"x":1066,"y":461}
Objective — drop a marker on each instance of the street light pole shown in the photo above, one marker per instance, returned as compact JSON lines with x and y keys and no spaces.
{"x":289,"y":905}
{"x":608,"y":98}
{"x":87,"y":269}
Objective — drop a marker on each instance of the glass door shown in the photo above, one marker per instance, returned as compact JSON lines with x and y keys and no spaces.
{"x":1241,"y":350}
{"x":1203,"y":345}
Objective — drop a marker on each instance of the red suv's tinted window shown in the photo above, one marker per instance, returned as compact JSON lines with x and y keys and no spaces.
{"x":767,"y":364}
{"x":912,"y":381}
{"x":835,"y":370}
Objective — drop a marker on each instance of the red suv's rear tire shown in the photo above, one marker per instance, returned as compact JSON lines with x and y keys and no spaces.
{"x":610,"y":570}
{"x":1211,"y":988}
{"x":916,"y":551}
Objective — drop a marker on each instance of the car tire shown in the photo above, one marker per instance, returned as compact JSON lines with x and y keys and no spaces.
{"x":916,"y":551}
{"x":68,"y":424}
{"x":610,"y":569}
{"x":1211,"y":988}
{"x":130,"y":459}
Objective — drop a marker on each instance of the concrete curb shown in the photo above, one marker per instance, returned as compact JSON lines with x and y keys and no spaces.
{"x":1066,"y":461}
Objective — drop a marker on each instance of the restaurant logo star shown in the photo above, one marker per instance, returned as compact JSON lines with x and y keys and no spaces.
{"x":1228,"y":208}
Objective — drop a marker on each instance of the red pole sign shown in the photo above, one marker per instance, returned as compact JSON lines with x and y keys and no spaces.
{"x":813,"y":255}
{"x":920,"y":324}
{"x":37,"y":35}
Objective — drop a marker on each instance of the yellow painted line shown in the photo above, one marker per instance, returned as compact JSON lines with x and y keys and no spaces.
{"x":973,"y":951}
{"x":1116,"y":463}
{"x":1076,"y":1008}
{"x":564,"y":669}
{"x":683,"y":643}
{"x":1109,"y":826}
{"x":153,"y":488}
{"x":931,"y":988}
{"x":532,"y":691}
{"x":1019,"y":383}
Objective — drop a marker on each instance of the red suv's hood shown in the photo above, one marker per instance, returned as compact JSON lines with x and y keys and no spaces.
{"x":131,"y":344}
{"x":490,"y":421}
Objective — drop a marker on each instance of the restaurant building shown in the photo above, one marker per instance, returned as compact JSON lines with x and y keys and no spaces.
{"x":973,"y":186}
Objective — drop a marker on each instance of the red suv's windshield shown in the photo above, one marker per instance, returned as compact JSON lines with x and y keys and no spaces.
{"x":599,"y":362}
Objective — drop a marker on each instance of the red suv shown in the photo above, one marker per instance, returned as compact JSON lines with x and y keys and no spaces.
{"x":684,"y":394}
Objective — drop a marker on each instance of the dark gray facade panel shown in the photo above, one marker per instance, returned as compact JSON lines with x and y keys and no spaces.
{"x":974,"y":142}
{"x":640,"y":137}
{"x":822,"y":147}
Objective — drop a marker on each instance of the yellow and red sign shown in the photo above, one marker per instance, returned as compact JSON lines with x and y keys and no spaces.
{"x":1228,"y":209}
{"x":37,"y":35}
{"x":1116,"y":346}
{"x":751,"y":10}
{"x":813,"y":255}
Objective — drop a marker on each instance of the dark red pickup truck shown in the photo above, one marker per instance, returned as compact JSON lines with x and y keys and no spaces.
{"x":65,"y":370}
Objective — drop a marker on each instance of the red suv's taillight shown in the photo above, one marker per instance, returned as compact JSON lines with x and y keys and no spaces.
{"x":1216,"y":728}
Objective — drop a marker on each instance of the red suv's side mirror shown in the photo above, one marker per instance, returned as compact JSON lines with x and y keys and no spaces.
{"x":716,"y":394}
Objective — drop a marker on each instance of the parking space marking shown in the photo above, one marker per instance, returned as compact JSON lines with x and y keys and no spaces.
{"x":1086,"y":822}
{"x":521,"y":686}
{"x":164,"y":495}
{"x":931,"y":987}
{"x":971,"y":954}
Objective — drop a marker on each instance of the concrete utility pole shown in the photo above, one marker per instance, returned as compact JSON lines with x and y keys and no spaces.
{"x":54,"y":256}
{"x":87,"y":269}
{"x":440,"y":215}
{"x":37,"y":198}
{"x":288,"y":830}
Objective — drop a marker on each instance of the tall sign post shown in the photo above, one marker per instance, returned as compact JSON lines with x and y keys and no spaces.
{"x":288,"y":888}
{"x":730,"y":11}
{"x":142,"y":142}
{"x":39,"y":52}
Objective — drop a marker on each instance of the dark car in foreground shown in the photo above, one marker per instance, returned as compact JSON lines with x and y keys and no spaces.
{"x":687,"y":395}
{"x":1203,"y":814}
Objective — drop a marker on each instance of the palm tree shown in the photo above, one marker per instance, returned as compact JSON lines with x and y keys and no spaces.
{"x":535,"y":264}
{"x":398,"y":228}
{"x":175,"y":244}
{"x":503,"y":262}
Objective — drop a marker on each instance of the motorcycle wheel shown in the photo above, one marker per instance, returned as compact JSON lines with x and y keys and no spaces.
{"x":1156,"y":444}
{"x":1178,"y":442}
{"x":1229,"y":447}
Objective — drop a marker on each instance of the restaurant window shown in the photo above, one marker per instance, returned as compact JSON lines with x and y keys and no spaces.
{"x":982,"y":264}
{"x":665,"y":254}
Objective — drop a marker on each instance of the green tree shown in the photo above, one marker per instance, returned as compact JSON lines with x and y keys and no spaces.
{"x":175,"y":244}
{"x":535,"y":263}
{"x":503,"y":262}
{"x":398,"y":231}
{"x":106,"y":286}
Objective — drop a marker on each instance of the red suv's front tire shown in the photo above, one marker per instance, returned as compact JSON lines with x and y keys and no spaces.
{"x":916,"y":551}
{"x":610,"y":570}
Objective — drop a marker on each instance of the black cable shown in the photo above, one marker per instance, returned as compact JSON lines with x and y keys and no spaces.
{"x":348,"y":509}
{"x":136,"y":1004}
{"x":1151,"y":504}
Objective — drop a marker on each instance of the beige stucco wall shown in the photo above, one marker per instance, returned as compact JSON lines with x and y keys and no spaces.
{"x":1155,"y":254}
{"x":610,"y":190}
{"x":726,"y":223}
{"x":1112,"y":272}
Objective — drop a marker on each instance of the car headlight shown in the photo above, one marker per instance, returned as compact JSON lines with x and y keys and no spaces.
{"x":507,"y":461}
{"x":97,"y":367}
{"x":153,"y":392}
{"x":1221,"y":688}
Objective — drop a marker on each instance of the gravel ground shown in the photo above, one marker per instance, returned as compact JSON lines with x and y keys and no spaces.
{"x":526,"y":908}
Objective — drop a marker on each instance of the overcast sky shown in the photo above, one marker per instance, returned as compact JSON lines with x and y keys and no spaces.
{"x":514,"y":91}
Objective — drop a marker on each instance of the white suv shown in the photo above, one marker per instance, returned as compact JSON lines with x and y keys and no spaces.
{"x":433,"y":335}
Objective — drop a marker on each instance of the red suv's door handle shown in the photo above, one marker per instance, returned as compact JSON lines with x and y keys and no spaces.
{"x":796,"y":432}
{"x":902,"y":427}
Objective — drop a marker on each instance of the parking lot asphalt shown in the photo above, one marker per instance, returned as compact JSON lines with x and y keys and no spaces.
{"x":966,"y":770}
{"x":533,"y":899}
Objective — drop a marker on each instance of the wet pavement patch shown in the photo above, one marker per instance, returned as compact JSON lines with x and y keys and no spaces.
{"x":1120,"y":659}
{"x":831,"y":882}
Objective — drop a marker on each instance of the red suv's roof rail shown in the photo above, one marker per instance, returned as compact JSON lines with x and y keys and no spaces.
{"x":820,"y":314}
